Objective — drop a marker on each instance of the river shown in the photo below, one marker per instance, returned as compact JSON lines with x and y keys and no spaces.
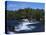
{"x":24,"y":26}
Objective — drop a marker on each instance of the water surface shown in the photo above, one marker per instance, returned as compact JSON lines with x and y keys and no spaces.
{"x":24,"y":26}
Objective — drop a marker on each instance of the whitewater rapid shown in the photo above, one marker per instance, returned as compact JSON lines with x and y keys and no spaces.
{"x":24,"y":25}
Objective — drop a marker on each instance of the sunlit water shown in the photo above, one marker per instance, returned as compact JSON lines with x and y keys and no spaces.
{"x":25,"y":26}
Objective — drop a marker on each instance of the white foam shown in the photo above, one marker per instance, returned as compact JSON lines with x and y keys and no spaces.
{"x":24,"y":26}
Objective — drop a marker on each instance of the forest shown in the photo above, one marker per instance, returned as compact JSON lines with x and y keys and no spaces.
{"x":25,"y":13}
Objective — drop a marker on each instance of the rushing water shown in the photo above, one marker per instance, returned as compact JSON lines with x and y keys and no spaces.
{"x":24,"y":26}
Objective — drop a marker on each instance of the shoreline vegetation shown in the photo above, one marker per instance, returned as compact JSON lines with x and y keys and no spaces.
{"x":28,"y":13}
